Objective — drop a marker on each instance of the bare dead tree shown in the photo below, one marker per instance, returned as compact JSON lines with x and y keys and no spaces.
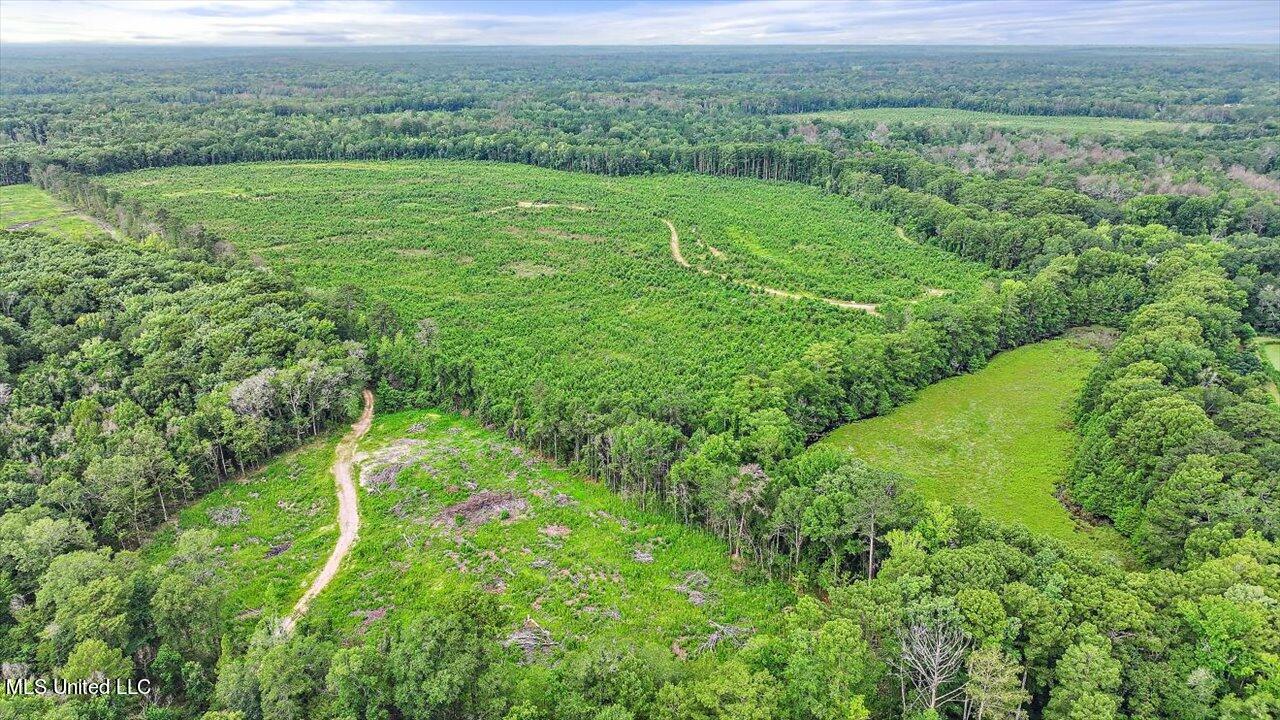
{"x":931,"y":660}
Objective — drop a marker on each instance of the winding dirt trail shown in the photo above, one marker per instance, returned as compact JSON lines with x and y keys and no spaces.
{"x":348,"y":513}
{"x":678,"y":256}
{"x":675,"y":247}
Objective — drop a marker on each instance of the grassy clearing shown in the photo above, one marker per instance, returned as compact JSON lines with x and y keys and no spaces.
{"x":27,"y":207}
{"x":563,"y":553}
{"x":1269,"y":348}
{"x":998,"y":439}
{"x":566,"y":281}
{"x":1064,"y":124}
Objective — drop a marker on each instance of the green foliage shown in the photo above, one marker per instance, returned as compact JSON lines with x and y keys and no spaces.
{"x":1173,"y":442}
{"x":93,"y":659}
{"x":135,"y":377}
{"x":603,"y":276}
{"x":726,"y":690}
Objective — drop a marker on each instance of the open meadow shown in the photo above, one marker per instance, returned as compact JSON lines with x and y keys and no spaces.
{"x":999,"y":439}
{"x":27,"y":207}
{"x":1269,"y":348}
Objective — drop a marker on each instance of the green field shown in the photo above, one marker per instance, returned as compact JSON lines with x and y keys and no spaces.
{"x":1269,"y":348}
{"x":568,"y":281}
{"x":563,"y":551}
{"x":998,"y":439}
{"x":1064,"y":124}
{"x":26,"y":207}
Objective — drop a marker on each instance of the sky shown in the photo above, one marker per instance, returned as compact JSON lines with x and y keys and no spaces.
{"x":695,"y":22}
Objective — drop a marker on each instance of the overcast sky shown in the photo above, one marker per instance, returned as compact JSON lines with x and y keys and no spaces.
{"x":399,"y":22}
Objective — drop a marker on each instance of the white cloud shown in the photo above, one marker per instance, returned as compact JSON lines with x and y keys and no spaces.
{"x":292,"y":22}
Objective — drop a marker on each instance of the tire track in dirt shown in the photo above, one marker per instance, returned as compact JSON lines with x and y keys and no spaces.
{"x":675,"y":247}
{"x":348,"y":513}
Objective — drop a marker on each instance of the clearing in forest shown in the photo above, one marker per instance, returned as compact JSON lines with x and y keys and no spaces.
{"x":1269,"y":348}
{"x":447,"y":505}
{"x":998,"y":439}
{"x":1060,"y":124}
{"x":27,"y":207}
{"x":566,"y":281}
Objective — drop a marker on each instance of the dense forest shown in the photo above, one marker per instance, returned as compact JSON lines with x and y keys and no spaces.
{"x":143,"y":370}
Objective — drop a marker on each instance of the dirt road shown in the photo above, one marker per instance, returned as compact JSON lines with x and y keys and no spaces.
{"x":675,"y":245}
{"x":348,"y":512}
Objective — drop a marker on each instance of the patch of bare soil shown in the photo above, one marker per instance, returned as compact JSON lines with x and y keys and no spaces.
{"x":531,"y":270}
{"x":480,"y":508}
{"x":722,"y":633}
{"x":227,"y":516}
{"x":378,"y":469}
{"x":544,"y":205}
{"x":278,"y":549}
{"x":535,"y":205}
{"x":414,"y":252}
{"x":532,"y":640}
{"x":103,"y":225}
{"x":369,"y":617}
{"x":566,"y":235}
{"x":643,"y":553}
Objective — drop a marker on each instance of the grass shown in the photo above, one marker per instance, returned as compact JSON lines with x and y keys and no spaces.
{"x":581,"y":299}
{"x":581,"y":585}
{"x":998,"y":439}
{"x":1269,"y":348}
{"x":290,"y":501}
{"x":1064,"y":124}
{"x":29,"y":207}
